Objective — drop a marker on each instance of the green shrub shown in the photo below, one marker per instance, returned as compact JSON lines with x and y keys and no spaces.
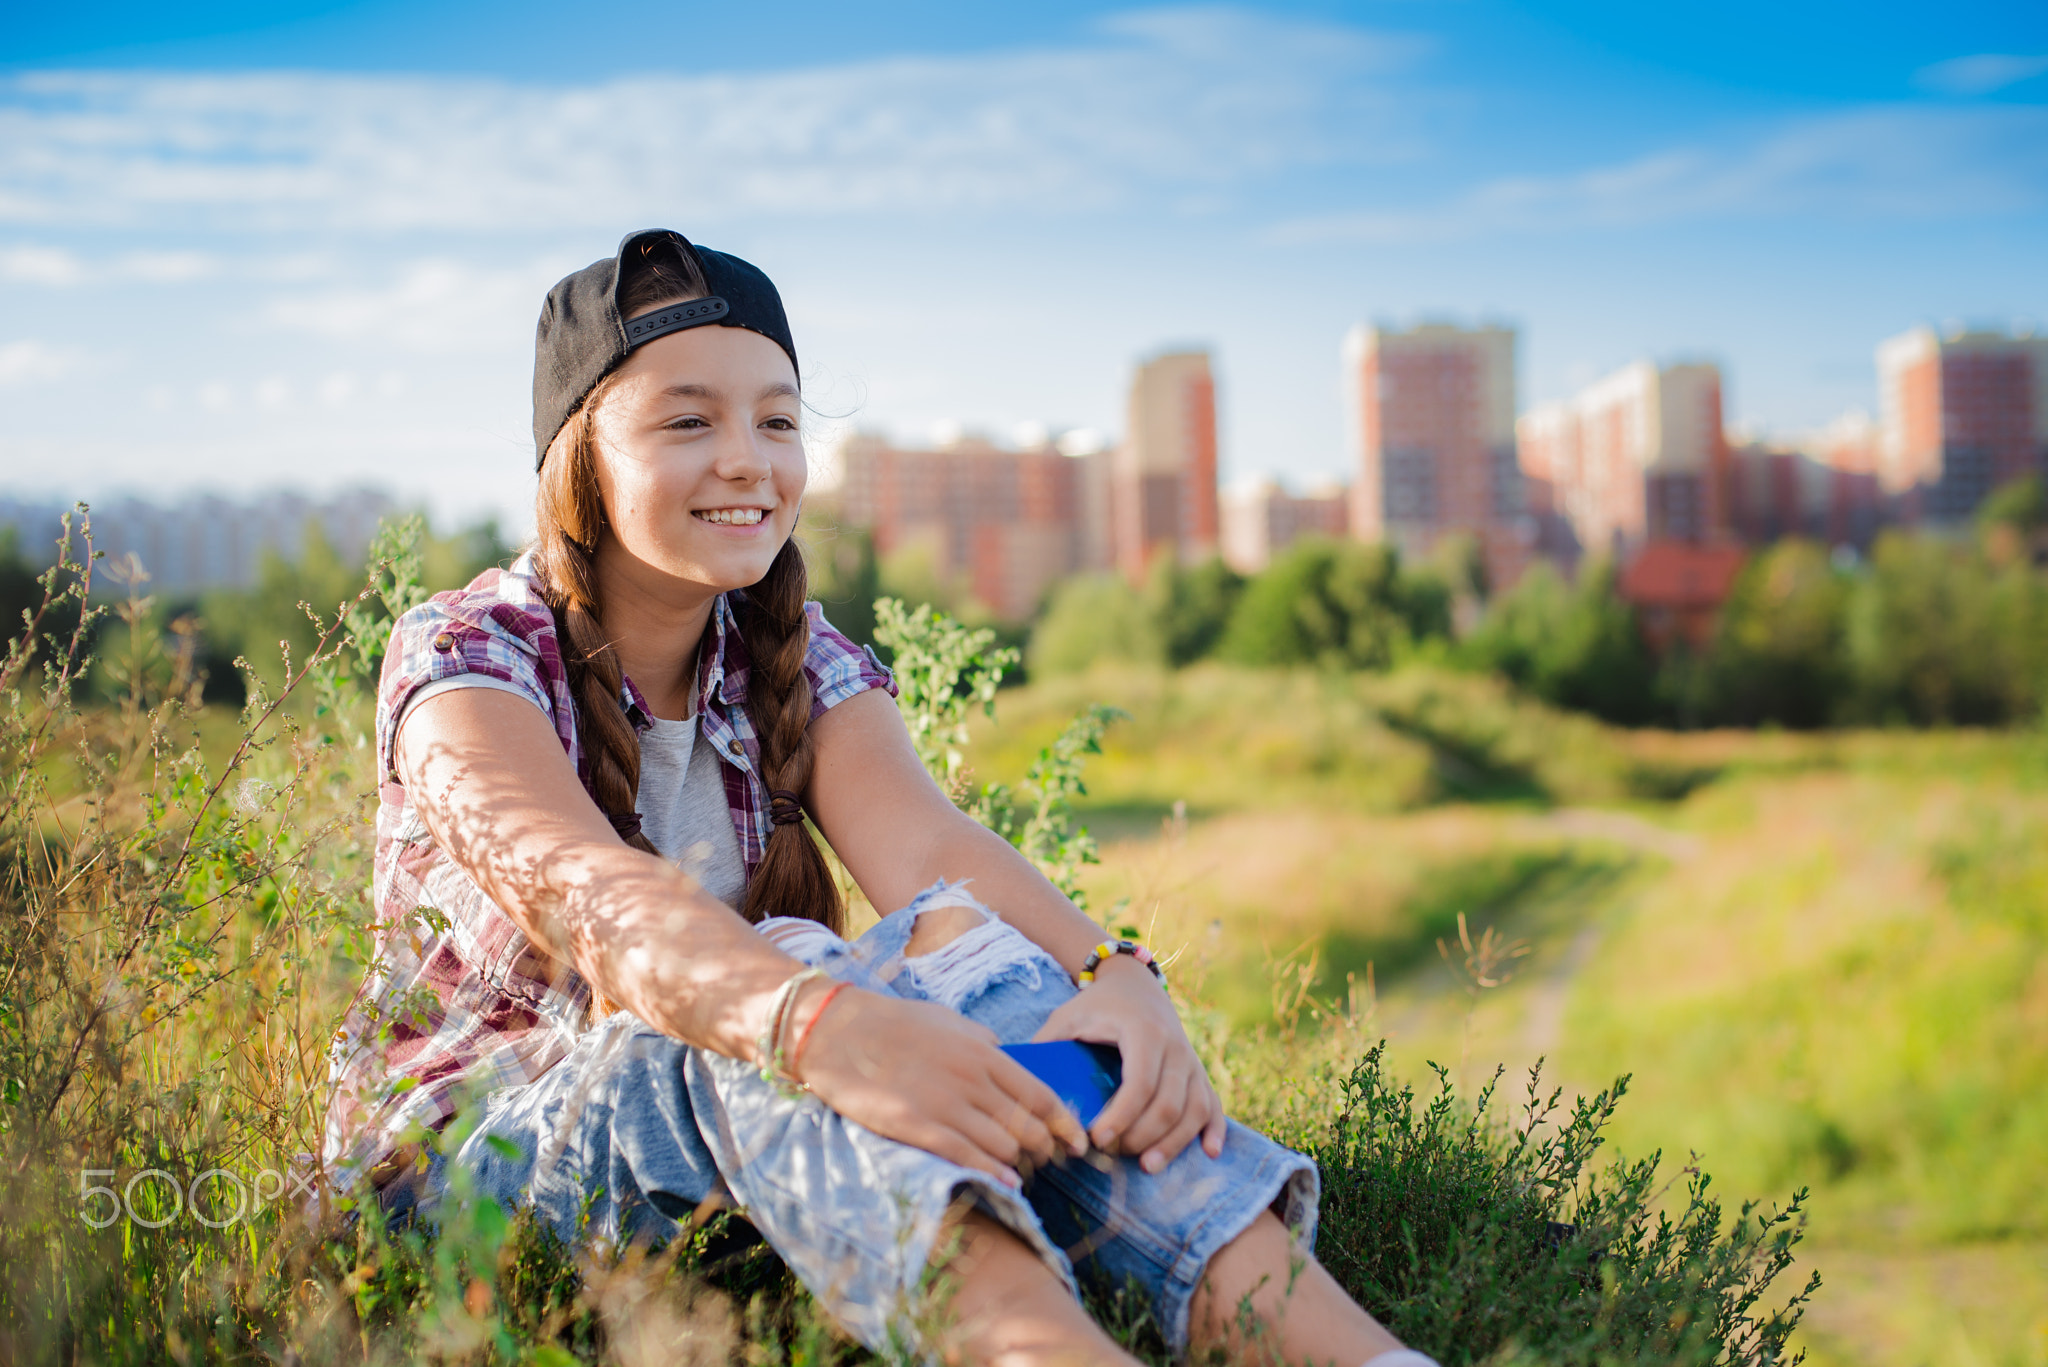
{"x":1779,"y":653}
{"x":182,"y":922}
{"x":1340,"y":603}
{"x":1494,"y":1239}
{"x":1191,"y":607}
{"x":1091,"y":618}
{"x":1939,"y":634}
{"x":1573,"y":645}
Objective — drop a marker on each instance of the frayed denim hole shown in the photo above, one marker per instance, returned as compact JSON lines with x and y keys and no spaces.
{"x":801,"y":939}
{"x":944,"y":894}
{"x":965,"y":968}
{"x":1299,"y":1206}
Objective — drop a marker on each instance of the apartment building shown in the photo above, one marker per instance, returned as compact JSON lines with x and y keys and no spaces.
{"x":1004,"y":523}
{"x":1432,"y":424}
{"x":1635,"y":457}
{"x":1960,"y":413}
{"x":1261,"y":519}
{"x":1163,"y":474}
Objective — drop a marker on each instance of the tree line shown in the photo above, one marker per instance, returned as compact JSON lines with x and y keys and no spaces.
{"x":213,"y":628}
{"x":1927,"y":630}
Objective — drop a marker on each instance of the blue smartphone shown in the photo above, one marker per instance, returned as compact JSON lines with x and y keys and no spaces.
{"x":1083,"y":1075}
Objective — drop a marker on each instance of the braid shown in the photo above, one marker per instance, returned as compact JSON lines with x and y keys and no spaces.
{"x":568,"y":515}
{"x":793,"y":878}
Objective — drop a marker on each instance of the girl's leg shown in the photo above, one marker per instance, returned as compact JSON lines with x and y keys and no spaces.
{"x":1299,"y":1312}
{"x":1303,"y":1314}
{"x":1009,"y":1310}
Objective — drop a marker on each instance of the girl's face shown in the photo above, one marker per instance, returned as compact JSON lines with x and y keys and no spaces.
{"x":699,"y":460}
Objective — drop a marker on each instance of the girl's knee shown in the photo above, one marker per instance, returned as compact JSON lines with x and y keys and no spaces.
{"x":940,"y":926}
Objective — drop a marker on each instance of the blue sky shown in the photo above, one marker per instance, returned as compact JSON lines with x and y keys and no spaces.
{"x":250,"y":245}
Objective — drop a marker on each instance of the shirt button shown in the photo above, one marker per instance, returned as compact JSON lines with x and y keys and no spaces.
{"x":736,"y":748}
{"x":444,"y":643}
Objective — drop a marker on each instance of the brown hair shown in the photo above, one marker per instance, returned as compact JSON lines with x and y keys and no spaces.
{"x":792,"y":878}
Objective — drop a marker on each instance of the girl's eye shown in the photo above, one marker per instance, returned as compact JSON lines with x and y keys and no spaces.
{"x":687,"y":424}
{"x":780,"y":424}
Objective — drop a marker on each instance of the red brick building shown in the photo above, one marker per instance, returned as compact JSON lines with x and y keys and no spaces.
{"x":1005,"y":523}
{"x":1162,"y":487}
{"x":1433,"y":423}
{"x":1961,"y":413}
{"x":1635,"y":458}
{"x":1677,"y":590}
{"x":1260,"y":519}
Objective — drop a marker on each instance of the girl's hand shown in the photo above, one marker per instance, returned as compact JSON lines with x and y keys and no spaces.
{"x":923,"y":1075}
{"x":1166,"y":1099}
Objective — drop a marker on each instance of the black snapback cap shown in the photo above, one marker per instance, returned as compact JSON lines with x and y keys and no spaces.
{"x":582,"y":334}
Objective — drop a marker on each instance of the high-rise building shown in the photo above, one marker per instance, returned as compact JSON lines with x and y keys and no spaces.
{"x":1433,"y":423}
{"x":1848,"y":448}
{"x":1820,"y":485}
{"x":1261,"y":519}
{"x":1772,"y":490}
{"x":1163,"y":474}
{"x":1004,"y":524}
{"x":206,"y":540}
{"x":1632,"y":458}
{"x":1547,"y":450}
{"x":1960,"y":414}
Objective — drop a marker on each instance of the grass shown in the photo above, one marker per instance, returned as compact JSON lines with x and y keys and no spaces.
{"x":185,"y":918}
{"x":1823,"y":958}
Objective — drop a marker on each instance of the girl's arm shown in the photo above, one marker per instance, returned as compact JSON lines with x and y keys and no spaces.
{"x":898,"y":834}
{"x":488,"y":775}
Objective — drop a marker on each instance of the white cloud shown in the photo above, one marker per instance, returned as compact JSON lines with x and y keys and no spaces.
{"x":1982,"y":74}
{"x":55,"y":266}
{"x":1190,"y":100}
{"x":41,"y":266}
{"x":1902,"y":162}
{"x":433,"y":306}
{"x":34,"y":362}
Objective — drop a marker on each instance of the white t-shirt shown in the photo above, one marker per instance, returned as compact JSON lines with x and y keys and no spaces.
{"x":683,"y":809}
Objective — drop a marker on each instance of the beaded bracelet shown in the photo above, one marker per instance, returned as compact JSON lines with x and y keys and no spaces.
{"x":1109,"y":949}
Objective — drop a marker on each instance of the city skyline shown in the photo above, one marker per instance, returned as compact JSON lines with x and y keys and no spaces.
{"x":324,"y":230}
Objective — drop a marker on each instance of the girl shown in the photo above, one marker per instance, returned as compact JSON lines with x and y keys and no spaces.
{"x":603,"y":917}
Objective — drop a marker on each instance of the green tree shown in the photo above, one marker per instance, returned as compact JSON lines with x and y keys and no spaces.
{"x":1191,"y":606}
{"x":1575,"y":645}
{"x":2014,"y":520}
{"x":1094,"y":617}
{"x":1341,"y":603}
{"x":846,"y":577}
{"x":261,"y":622}
{"x":1922,"y":630}
{"x":1779,"y":652}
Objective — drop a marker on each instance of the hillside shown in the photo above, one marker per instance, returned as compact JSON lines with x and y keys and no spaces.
{"x":1822,"y":958}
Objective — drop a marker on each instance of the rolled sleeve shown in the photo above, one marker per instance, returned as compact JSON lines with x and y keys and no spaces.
{"x":838,"y":668}
{"x":438,"y":641}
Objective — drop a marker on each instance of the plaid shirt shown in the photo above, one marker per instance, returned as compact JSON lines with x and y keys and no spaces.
{"x":457,"y":1000}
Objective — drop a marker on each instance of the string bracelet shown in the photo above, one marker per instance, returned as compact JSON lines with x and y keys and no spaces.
{"x":774,"y":1061}
{"x":796,"y":1051}
{"x":1109,"y":949}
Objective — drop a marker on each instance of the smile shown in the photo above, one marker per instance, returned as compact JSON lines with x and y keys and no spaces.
{"x":733,"y":517}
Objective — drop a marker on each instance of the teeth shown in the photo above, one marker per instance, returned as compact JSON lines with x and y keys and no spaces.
{"x":738,"y":517}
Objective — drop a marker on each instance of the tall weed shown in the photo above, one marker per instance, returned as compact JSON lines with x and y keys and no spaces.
{"x":183,"y":916}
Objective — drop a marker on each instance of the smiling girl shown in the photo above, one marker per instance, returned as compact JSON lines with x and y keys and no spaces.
{"x":606,"y":925}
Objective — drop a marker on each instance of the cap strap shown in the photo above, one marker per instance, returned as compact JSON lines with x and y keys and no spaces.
{"x":693,"y":314}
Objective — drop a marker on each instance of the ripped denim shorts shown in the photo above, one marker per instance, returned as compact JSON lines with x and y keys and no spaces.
{"x":638,"y":1129}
